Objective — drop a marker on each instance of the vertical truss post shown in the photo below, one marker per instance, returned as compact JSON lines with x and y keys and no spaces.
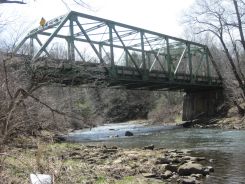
{"x":69,"y":49}
{"x":126,"y":57}
{"x":31,"y":47}
{"x":113,"y":68}
{"x":149,"y":60}
{"x":100,"y":49}
{"x":71,"y":46}
{"x":169,"y":60}
{"x":143,"y":54}
{"x":208,"y":67}
{"x":190,"y":61}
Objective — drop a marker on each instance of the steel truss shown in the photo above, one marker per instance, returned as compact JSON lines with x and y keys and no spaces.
{"x":131,"y":55}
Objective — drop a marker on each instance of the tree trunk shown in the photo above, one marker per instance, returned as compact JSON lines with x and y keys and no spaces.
{"x":241,"y":111}
{"x":239,"y":24}
{"x":233,"y":66}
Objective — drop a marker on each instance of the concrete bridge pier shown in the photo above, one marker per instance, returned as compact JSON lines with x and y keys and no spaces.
{"x":198,"y":104}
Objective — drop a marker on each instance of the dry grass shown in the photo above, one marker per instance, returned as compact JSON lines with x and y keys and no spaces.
{"x":47,"y":159}
{"x":73,"y":163}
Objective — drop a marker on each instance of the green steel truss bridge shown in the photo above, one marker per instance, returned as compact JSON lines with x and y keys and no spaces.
{"x":120,"y":54}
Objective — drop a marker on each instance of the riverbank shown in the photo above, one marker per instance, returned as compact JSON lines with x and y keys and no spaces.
{"x":223,"y":149}
{"x":224,"y":123}
{"x":76,"y":163}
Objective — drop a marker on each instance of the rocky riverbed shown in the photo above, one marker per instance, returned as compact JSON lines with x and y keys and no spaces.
{"x":75,"y":163}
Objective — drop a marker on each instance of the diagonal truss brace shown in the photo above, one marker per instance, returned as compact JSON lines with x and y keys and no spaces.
{"x":181,"y":57}
{"x":40,"y":43}
{"x":90,"y":42}
{"x":126,"y":50}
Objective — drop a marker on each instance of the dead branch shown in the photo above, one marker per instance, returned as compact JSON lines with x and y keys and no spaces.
{"x":11,"y":2}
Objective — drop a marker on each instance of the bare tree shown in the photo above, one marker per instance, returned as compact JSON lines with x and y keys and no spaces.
{"x":78,"y":2}
{"x":224,"y":19}
{"x":21,"y":100}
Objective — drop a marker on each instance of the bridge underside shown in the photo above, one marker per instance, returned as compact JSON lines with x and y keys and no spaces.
{"x":78,"y":49}
{"x":127,"y":77}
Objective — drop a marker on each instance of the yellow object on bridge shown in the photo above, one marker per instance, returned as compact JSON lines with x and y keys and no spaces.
{"x":42,"y":22}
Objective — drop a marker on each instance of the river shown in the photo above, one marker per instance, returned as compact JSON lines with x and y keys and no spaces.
{"x":225,"y":147}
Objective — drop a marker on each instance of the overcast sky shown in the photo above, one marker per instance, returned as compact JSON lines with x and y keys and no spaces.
{"x":157,"y":15}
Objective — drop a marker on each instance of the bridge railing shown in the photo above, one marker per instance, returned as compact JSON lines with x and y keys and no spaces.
{"x":79,"y":37}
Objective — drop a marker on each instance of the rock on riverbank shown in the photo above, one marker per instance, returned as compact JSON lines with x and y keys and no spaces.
{"x":73,"y":163}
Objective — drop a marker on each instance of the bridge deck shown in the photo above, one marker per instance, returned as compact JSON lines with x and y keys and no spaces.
{"x":126,"y":77}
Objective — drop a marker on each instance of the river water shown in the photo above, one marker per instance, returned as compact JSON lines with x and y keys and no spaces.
{"x":225,"y":147}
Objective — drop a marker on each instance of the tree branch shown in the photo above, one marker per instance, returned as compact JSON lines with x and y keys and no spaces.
{"x":25,"y":93}
{"x":11,"y":2}
{"x":6,"y":79}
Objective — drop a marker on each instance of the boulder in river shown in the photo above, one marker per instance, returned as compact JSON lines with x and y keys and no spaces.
{"x":190,"y":168}
{"x":149,"y":147}
{"x":128,"y":133}
{"x":210,"y":169}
